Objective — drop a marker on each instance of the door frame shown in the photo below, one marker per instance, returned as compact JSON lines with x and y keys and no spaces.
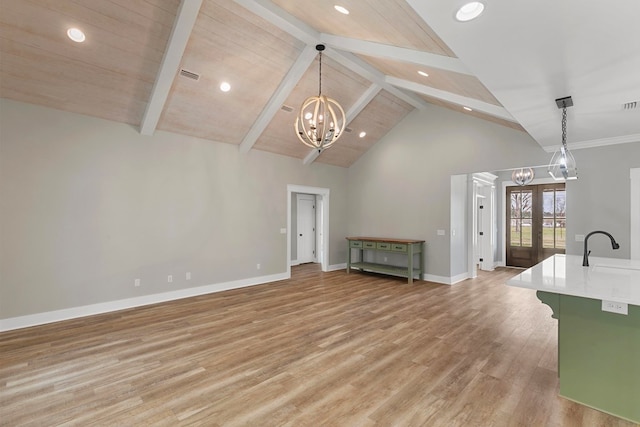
{"x":315,"y":232}
{"x":502,"y":224}
{"x":481,"y":185}
{"x":322,"y":208}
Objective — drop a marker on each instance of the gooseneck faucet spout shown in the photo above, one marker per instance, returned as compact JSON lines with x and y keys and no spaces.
{"x":585,"y":256}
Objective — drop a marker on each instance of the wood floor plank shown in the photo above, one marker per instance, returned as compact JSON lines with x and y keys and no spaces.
{"x":317,"y":349}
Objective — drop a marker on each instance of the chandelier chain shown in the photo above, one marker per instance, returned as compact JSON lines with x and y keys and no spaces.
{"x":320,"y":75}
{"x":564,"y":127}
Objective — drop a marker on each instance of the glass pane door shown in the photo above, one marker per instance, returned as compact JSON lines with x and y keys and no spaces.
{"x":536,"y":223}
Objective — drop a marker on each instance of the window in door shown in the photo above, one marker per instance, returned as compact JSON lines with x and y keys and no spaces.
{"x":554,"y":218}
{"x":536,"y":223}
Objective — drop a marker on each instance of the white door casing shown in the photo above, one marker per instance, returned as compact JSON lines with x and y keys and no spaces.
{"x":325,"y":194}
{"x":306,"y":224}
{"x":481,"y":191}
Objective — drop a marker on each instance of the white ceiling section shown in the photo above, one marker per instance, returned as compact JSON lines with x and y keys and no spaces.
{"x":528,"y":54}
{"x":509,"y":66}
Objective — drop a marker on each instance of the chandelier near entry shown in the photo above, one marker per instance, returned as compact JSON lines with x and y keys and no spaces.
{"x":522,"y":176}
{"x":321,"y":119}
{"x":563,"y":164}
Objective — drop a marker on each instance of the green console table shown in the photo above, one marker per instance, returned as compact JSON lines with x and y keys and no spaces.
{"x":361,"y":245}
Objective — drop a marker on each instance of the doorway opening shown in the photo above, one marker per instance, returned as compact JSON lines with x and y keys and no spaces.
{"x":303,"y":242}
{"x":481,"y":227}
{"x":535,"y":223}
{"x":307,"y":209}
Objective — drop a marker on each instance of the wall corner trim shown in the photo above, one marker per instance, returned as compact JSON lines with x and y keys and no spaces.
{"x":446,"y":280}
{"x":335,"y":267}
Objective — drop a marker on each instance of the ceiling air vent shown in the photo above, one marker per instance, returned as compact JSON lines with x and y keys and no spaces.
{"x":287,"y":108}
{"x":189,"y":75}
{"x":630,"y":105}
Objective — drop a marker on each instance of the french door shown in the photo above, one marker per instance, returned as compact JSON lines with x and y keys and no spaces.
{"x":536,"y":223}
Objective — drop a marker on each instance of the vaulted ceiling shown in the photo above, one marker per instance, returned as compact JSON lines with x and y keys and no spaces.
{"x":158,"y":65}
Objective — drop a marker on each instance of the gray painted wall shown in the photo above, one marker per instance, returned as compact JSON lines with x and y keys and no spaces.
{"x":88,"y":205}
{"x":402,"y":186}
{"x":600,"y":198}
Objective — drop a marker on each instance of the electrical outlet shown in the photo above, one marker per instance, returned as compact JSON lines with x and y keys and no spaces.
{"x":136,"y":282}
{"x":170,"y":278}
{"x":615,"y":307}
{"x":579,"y":237}
{"x":385,"y":259}
{"x":257,"y":266}
{"x":188,"y":275}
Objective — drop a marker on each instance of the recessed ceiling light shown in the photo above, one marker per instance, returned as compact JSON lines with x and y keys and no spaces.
{"x":341,"y":9}
{"x":225,"y":87}
{"x":76,"y":35}
{"x":468,"y":109}
{"x":422,"y":73}
{"x":362,"y":134}
{"x":469,"y":11}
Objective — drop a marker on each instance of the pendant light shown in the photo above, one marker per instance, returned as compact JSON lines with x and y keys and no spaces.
{"x":563,"y":165}
{"x":522,"y":176}
{"x":321,"y":119}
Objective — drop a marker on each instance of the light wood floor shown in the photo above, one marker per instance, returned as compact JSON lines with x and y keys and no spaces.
{"x":319,"y":349}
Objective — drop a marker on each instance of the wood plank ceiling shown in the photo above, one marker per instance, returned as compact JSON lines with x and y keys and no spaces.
{"x":265,"y":50}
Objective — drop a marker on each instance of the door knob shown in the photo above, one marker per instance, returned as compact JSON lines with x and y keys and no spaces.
{"x":300,"y":234}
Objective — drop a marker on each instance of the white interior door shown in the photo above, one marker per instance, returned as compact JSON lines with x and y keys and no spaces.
{"x":306,"y":227}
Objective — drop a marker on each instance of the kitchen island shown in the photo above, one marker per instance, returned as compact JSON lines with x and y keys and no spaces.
{"x":598,"y":350}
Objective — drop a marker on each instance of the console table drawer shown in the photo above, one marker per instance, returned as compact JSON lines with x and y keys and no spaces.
{"x":399,"y":247}
{"x":369,"y":245}
{"x":383,"y":246}
{"x":355,"y":244}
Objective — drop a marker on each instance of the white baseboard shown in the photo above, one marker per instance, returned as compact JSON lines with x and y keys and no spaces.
{"x":105,"y":307}
{"x":446,"y":280}
{"x":335,"y":267}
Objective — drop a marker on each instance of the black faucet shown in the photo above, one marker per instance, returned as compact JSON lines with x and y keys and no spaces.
{"x":585,"y":256}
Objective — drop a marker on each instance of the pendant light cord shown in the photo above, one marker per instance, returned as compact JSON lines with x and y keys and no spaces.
{"x":564,"y":127}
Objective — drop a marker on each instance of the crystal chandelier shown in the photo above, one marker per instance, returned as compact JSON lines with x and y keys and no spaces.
{"x":563,"y":165}
{"x":321,"y":118}
{"x":522,"y":176}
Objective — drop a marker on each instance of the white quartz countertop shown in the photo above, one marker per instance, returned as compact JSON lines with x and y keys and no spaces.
{"x":610,"y":279}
